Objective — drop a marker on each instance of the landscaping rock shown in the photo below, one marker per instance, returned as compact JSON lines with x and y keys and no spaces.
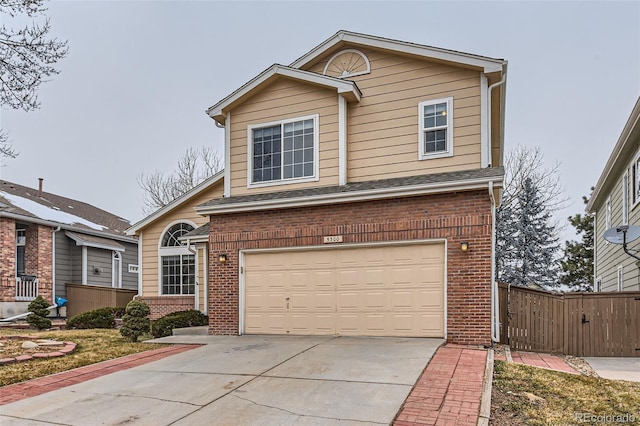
{"x":49,"y":343}
{"x":29,"y":345}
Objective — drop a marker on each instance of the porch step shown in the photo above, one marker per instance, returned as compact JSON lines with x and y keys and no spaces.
{"x":191,"y":331}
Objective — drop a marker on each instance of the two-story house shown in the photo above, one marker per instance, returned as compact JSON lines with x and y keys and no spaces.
{"x":360,"y":190}
{"x":616,"y":201}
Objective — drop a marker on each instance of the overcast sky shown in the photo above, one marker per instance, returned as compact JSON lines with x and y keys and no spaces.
{"x":133,"y":90}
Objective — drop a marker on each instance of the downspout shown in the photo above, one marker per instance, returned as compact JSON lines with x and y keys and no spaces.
{"x":494,"y":85}
{"x":53,"y":263}
{"x":495,"y":312}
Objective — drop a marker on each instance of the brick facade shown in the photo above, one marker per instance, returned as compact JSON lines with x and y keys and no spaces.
{"x":456,"y":217}
{"x":7,"y":259}
{"x":164,"y":305}
{"x":38,"y":258}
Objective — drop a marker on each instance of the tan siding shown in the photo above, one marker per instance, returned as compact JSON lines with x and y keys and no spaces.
{"x":285,"y":99}
{"x":383,"y":127}
{"x":152,"y":233}
{"x":610,"y":256}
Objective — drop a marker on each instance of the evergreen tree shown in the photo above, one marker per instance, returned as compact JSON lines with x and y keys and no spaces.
{"x":577,"y":264}
{"x":527,"y":244}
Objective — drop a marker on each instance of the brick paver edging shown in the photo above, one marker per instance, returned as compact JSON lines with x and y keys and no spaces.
{"x":66,"y":349}
{"x":30,"y":388}
{"x":449,"y":390}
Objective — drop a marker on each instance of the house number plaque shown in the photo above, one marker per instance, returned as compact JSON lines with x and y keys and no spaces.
{"x":333,"y":239}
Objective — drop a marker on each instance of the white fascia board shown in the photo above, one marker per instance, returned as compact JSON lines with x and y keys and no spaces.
{"x":374,"y":194}
{"x":488,"y":65}
{"x":633,"y":124}
{"x":67,"y":227}
{"x":175,"y":203}
{"x":80,"y":242}
{"x":348,"y":88}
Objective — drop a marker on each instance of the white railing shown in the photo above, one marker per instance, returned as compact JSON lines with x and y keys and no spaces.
{"x":26,"y":289}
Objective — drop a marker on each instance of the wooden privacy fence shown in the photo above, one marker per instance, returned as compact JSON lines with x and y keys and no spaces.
{"x":579,"y":324}
{"x":83,"y":298}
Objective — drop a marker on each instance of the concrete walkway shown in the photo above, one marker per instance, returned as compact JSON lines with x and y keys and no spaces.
{"x":449,"y":392}
{"x":243,"y":380}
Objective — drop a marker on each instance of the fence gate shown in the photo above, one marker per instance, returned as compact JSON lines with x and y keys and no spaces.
{"x":580,"y":324}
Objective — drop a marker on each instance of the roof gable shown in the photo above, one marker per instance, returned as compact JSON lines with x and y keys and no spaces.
{"x":347,"y":88}
{"x":483,"y":63}
{"x":195,"y":191}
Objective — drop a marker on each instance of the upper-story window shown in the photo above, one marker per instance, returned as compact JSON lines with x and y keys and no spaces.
{"x":284,"y":151}
{"x":436,"y":128}
{"x":625,"y":199}
{"x":635,"y":181}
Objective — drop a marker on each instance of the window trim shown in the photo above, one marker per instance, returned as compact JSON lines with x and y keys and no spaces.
{"x":283,"y":181}
{"x":172,"y":251}
{"x":607,"y":210}
{"x":625,"y":198}
{"x":620,"y":276}
{"x":421,"y":145}
{"x":116,"y":274}
{"x":635,"y":181}
{"x":21,"y":242}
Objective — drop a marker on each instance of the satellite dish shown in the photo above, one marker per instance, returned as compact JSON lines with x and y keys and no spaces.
{"x":622,"y":234}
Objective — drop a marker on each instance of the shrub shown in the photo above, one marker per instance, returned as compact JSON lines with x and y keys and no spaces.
{"x":38,"y":316}
{"x":98,"y":318}
{"x":164,"y":326}
{"x":135,"y":320}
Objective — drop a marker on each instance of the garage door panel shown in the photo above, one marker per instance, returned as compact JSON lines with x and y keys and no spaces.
{"x":392,"y":290}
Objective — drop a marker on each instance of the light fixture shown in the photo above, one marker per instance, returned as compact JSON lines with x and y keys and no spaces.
{"x":464,"y":246}
{"x":222,"y":258}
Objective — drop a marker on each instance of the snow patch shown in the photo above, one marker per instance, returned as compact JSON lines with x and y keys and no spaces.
{"x":47,"y":213}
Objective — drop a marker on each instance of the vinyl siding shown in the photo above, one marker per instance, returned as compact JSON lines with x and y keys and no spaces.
{"x":153,"y":232}
{"x":609,"y":256}
{"x":129,"y":257}
{"x":100,"y":260}
{"x":64,"y":263}
{"x":285,"y":99}
{"x":382,"y":136}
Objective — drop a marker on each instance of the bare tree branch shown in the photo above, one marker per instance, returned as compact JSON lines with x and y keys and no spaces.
{"x":194,"y":167}
{"x":27,"y":58}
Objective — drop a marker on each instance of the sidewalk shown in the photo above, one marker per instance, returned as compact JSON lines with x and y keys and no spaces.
{"x":28,"y":389}
{"x":449,"y":390}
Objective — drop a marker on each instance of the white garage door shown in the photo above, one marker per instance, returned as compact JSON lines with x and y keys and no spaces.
{"x":392,"y":290}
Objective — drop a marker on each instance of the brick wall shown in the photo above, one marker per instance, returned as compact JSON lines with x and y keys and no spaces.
{"x":458,"y":217}
{"x":164,"y":305}
{"x":38,"y":258}
{"x":7,"y":259}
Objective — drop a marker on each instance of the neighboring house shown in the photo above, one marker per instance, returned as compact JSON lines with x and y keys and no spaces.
{"x":359,"y":194}
{"x":48,"y":241}
{"x":173,"y":252}
{"x":616,"y":201}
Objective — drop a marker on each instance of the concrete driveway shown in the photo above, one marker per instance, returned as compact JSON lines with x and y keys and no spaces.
{"x":245,"y":380}
{"x":616,"y":368}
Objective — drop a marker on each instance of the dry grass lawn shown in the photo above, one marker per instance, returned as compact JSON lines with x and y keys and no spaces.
{"x":524,"y":395}
{"x":94,"y":346}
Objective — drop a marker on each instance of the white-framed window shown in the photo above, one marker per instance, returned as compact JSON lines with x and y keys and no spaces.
{"x":116,"y":270}
{"x":620,"y":277}
{"x":625,"y":198}
{"x":635,"y":181}
{"x":283,"y":151}
{"x":598,"y":284}
{"x":21,"y":239}
{"x":608,"y":213}
{"x":435,"y":128}
{"x":177,"y":263}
